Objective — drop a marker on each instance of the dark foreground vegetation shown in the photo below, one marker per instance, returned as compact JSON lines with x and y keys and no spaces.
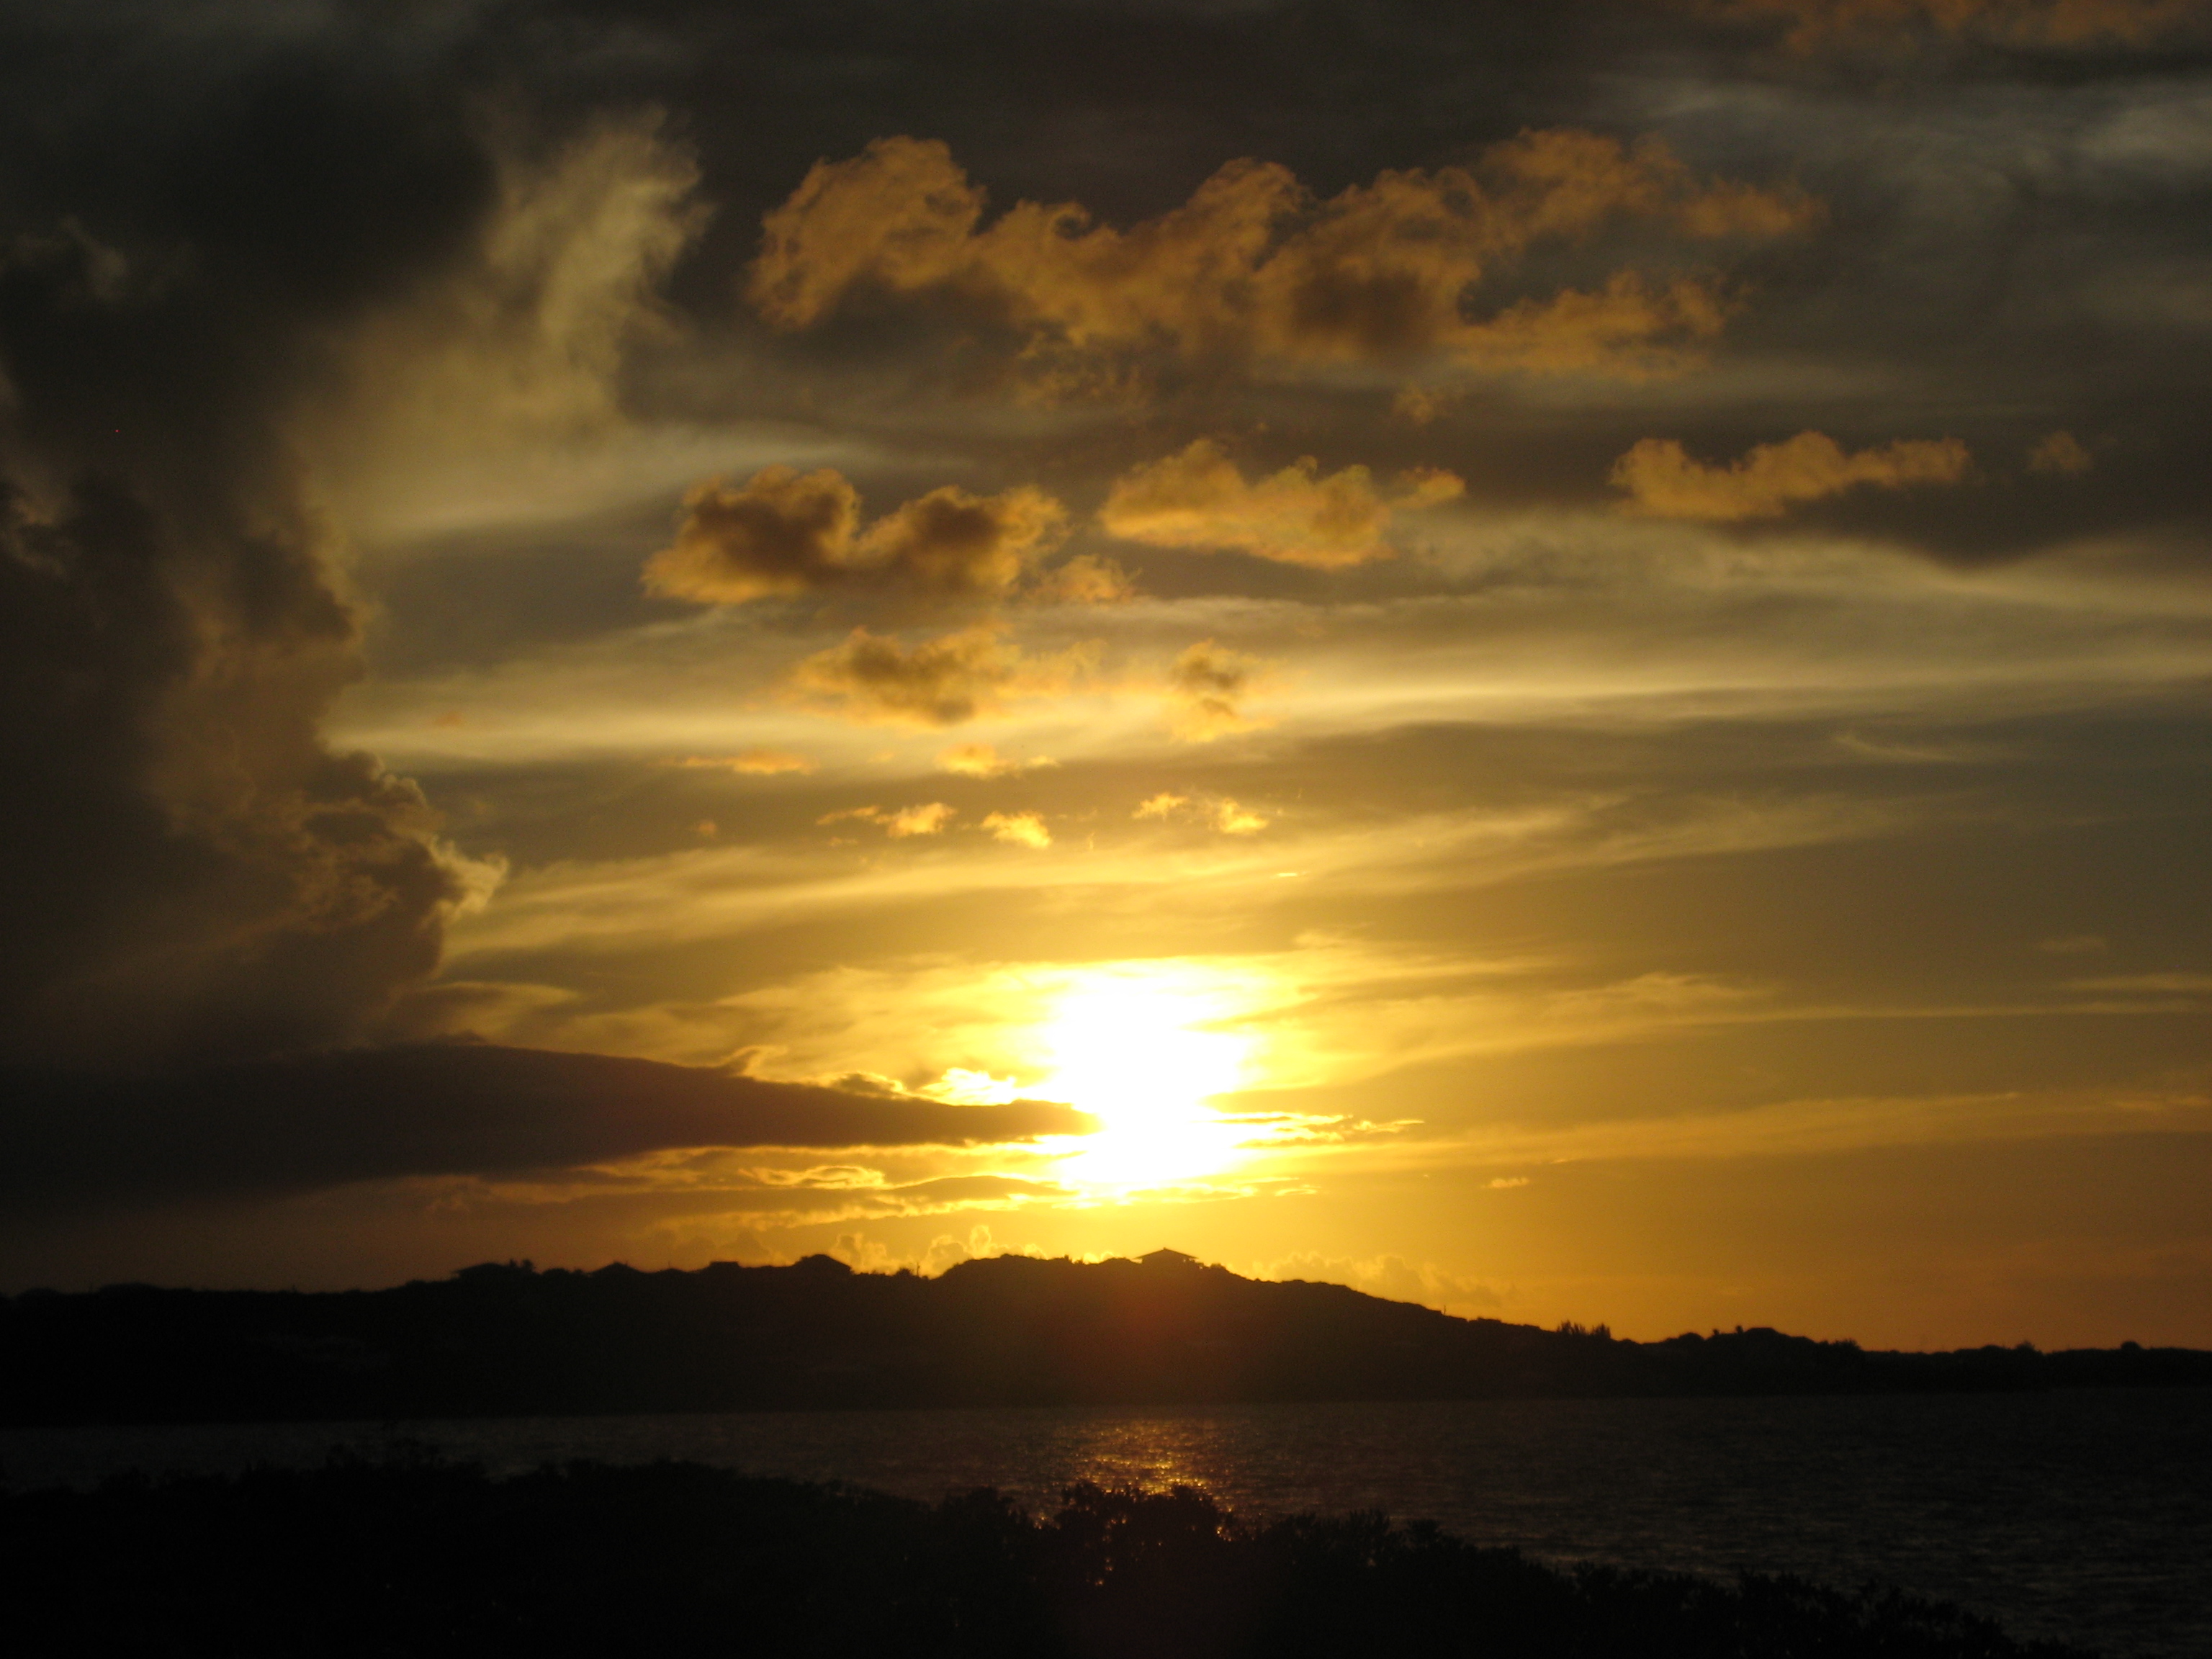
{"x":1013,"y":1331}
{"x":424,"y":1558}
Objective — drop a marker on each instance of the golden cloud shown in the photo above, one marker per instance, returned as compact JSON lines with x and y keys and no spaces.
{"x":783,"y":532}
{"x":872,"y":677}
{"x":2022,"y":22}
{"x":927,"y":819}
{"x":1208,"y":684}
{"x":950,"y":541}
{"x":1087,"y":579}
{"x":2060,"y":453}
{"x":1663,"y":482}
{"x":1420,"y":405}
{"x":753,"y":762}
{"x":1609,"y":331}
{"x":1218,"y":811}
{"x":787,"y":532}
{"x":1022,"y":829}
{"x":1230,"y":819}
{"x":924,"y":820}
{"x":980,"y":760}
{"x":1198,"y":498}
{"x":1255,"y":266}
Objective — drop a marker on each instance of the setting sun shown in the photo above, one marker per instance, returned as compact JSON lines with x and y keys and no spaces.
{"x":1144,"y":1055}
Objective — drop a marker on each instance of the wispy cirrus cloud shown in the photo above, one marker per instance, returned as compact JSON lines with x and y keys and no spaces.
{"x":752,"y":763}
{"x":980,"y":760}
{"x":1815,"y":23}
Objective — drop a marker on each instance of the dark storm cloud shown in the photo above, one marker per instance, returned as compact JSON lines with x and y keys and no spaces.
{"x":185,"y":865}
{"x":322,"y":1121}
{"x":1124,"y":104}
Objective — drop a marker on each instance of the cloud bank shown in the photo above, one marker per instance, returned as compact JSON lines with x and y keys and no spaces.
{"x":188,"y":869}
{"x":315,"y":1122}
{"x":1813,"y":23}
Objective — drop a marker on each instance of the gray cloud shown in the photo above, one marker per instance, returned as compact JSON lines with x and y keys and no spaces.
{"x":186,"y":866}
{"x":328,"y":1120}
{"x":1815,"y":25}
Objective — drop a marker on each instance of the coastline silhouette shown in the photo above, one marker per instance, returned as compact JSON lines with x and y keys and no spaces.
{"x":506,"y":1338}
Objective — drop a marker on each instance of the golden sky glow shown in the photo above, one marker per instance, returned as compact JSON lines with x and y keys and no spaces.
{"x":1552,"y":657}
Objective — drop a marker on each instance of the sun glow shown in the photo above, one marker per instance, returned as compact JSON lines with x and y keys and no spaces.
{"x":1145,"y":1054}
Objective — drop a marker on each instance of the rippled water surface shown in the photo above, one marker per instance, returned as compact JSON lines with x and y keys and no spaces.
{"x":2086,"y":1516}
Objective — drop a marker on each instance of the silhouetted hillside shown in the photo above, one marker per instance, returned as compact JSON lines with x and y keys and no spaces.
{"x":507,"y":1339}
{"x":675,"y":1559}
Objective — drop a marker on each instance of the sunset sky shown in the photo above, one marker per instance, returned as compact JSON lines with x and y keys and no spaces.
{"x":1552,"y":659}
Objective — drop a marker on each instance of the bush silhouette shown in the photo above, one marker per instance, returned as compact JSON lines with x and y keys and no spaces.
{"x":410,"y":1556}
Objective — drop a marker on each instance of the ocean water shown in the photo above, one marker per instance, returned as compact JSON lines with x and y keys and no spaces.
{"x":2085,"y":1516}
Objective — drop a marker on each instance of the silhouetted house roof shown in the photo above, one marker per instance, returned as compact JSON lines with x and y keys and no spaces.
{"x":1165,"y":1258}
